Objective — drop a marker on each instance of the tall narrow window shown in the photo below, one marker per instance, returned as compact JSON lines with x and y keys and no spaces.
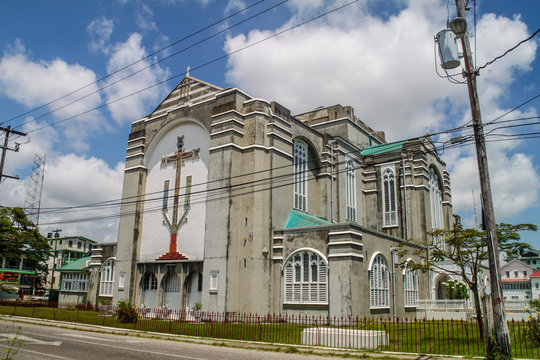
{"x":187,"y":196}
{"x":435,"y":197}
{"x":410,"y":283}
{"x":389,"y":197}
{"x":107,"y":278}
{"x":165,"y":194}
{"x":379,"y":283}
{"x":300,"y":159}
{"x":305,"y":279}
{"x":351,"y":191}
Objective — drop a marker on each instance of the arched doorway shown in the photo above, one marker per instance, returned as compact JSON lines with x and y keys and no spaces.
{"x":441,"y":291}
{"x":193,"y":289}
{"x":149,"y":290}
{"x":171,"y":290}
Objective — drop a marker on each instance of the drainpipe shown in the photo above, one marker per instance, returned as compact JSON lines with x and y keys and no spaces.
{"x":406,"y":232}
{"x":393,"y":252}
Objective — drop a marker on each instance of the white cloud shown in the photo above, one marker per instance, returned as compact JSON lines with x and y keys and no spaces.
{"x":35,"y":83}
{"x":72,"y":180}
{"x":369,"y":66}
{"x":384,"y":67}
{"x":100,"y":31}
{"x":234,"y":5}
{"x":143,"y":18}
{"x":133,"y":107}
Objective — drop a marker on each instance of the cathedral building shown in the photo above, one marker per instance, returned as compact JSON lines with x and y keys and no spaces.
{"x":234,"y":204}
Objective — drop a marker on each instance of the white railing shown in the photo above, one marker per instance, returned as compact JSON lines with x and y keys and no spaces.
{"x":466,"y":305}
{"x":445,"y":305}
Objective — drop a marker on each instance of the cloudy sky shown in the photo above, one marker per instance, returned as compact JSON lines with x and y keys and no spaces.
{"x":74,"y":75}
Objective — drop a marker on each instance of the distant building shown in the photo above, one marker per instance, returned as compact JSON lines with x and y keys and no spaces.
{"x":516,"y":280}
{"x":64,"y":251}
{"x":530,"y":257}
{"x":89,"y":280}
{"x":19,"y":275}
{"x":535,"y":285}
{"x":74,"y":278}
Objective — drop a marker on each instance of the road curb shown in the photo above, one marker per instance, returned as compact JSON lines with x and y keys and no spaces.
{"x":253,"y":345}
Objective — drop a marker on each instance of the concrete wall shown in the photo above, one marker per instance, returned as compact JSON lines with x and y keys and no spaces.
{"x":237,"y":231}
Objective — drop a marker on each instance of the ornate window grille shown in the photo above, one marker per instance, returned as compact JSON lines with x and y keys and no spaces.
{"x":379,"y":283}
{"x":306,"y":279}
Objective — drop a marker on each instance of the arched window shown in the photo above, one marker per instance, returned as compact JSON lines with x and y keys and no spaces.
{"x":171,"y":282}
{"x":107,"y":278}
{"x":435,"y":197}
{"x":305,"y":279}
{"x":300,"y":158}
{"x":389,"y":197}
{"x":410,"y":283}
{"x":379,"y":283}
{"x":351,"y":191}
{"x":149,"y":282}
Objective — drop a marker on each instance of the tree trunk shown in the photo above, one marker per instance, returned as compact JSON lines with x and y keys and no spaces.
{"x":478,"y":308}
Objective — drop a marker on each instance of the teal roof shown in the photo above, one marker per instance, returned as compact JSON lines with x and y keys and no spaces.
{"x":77,"y":265}
{"x":300,"y":219}
{"x":383,"y":148}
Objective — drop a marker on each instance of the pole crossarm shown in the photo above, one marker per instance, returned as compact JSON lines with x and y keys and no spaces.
{"x":5,"y":148}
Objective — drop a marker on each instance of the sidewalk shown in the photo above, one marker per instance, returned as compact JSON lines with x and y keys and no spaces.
{"x":299,"y":349}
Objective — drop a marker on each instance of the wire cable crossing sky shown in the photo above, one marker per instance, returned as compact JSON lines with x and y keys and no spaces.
{"x":84,"y":71}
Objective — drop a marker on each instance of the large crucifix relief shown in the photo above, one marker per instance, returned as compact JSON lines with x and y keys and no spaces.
{"x":175,"y":224}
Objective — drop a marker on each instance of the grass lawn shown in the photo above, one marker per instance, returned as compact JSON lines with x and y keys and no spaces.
{"x":429,"y":337}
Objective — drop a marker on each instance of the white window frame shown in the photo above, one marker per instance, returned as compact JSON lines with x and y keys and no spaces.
{"x":379,"y":283}
{"x":389,"y":198}
{"x":305,"y":278}
{"x":214,"y":281}
{"x":300,"y":160}
{"x":351,"y":190}
{"x":74,"y":282}
{"x":121,"y":280}
{"x":149,"y":282}
{"x":435,"y":200}
{"x":106,"y":282}
{"x":410,"y":285}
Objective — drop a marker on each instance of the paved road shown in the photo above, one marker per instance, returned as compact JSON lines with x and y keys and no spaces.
{"x":46,"y":342}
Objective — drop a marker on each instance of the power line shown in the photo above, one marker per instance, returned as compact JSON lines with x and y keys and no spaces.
{"x":507,"y":51}
{"x":201,"y":65}
{"x":136,"y":62}
{"x":235,"y":190}
{"x":152,"y":64}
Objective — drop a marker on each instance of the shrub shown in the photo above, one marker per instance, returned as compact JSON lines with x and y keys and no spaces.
{"x":533,"y":326}
{"x":126,"y":312}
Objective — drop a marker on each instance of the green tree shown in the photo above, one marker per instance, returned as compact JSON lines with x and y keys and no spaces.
{"x":457,"y":289}
{"x":467,"y":250}
{"x":20,"y":238}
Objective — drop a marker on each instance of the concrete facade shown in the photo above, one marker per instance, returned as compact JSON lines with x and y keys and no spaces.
{"x":238,"y":200}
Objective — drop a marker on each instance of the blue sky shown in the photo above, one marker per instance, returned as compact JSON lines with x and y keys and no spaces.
{"x":375,"y":56}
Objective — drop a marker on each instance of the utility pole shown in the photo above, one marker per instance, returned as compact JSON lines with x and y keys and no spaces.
{"x":56,"y":236}
{"x":5,"y":148}
{"x":497,"y":328}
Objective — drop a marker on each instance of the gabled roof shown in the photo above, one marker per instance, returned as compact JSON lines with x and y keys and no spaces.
{"x":300,"y":219}
{"x":190,"y":90}
{"x":536,"y":274}
{"x":77,"y":265}
{"x":517,"y":263}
